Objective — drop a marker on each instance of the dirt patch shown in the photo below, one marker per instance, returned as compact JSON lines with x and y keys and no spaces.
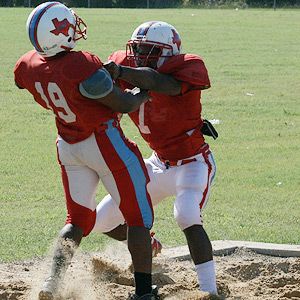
{"x":107,"y":276}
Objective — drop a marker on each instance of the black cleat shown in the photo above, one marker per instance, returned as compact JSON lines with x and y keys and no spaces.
{"x":151,"y":296}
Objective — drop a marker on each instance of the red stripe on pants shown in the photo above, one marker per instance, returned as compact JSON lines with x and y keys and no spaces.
{"x":205,"y":156}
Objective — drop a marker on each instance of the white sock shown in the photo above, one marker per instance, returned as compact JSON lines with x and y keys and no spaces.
{"x":207,"y":277}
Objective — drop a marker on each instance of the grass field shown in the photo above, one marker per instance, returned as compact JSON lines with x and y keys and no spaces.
{"x":253,"y":61}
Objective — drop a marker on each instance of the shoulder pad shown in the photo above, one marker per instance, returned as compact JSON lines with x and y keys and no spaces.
{"x":98,"y":85}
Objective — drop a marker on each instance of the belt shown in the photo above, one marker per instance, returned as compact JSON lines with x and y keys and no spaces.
{"x":180,"y":162}
{"x":173,"y":163}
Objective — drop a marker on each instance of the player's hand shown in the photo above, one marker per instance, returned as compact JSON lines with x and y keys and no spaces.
{"x":113,"y":69}
{"x":142,"y":93}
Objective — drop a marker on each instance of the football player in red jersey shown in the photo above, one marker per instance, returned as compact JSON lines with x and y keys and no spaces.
{"x":182,"y":164}
{"x":90,"y":145}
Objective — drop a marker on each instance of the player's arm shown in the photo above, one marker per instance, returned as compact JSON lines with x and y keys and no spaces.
{"x":145,"y":78}
{"x":99,"y":87}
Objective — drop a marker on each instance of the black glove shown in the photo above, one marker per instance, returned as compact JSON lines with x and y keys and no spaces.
{"x":208,"y":129}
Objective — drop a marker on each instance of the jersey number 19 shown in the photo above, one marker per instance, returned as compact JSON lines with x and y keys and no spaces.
{"x":58,"y":100}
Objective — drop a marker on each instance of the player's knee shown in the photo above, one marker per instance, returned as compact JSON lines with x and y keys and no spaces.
{"x":108,"y":216}
{"x":187,"y":213}
{"x":187,"y":210}
{"x":139,"y":218}
{"x":146,"y":223}
{"x":100,"y":226}
{"x":145,"y":220}
{"x":84,"y":220}
{"x":184,"y":221}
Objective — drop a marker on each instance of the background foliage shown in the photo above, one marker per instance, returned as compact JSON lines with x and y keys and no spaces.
{"x":159,"y":3}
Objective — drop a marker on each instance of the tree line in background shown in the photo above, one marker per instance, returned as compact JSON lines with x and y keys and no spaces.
{"x":158,"y":3}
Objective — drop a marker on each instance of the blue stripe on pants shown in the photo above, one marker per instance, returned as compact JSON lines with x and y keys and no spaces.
{"x":135,"y":171}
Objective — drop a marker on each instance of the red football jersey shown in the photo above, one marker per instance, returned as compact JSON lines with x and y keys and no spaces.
{"x":171,"y":124}
{"x":54,"y":84}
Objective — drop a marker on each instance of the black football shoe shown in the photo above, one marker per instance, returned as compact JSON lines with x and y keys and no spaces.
{"x":151,"y":296}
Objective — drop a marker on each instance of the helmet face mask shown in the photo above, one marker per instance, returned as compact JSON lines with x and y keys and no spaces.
{"x":147,"y":54}
{"x":80,"y":28}
{"x":152,"y":43}
{"x":53,"y":28}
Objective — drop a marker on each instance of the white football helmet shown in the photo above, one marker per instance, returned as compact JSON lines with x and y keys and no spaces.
{"x":152,"y":43}
{"x":52,"y":28}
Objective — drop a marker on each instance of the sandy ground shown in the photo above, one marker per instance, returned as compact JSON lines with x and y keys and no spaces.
{"x":107,"y":276}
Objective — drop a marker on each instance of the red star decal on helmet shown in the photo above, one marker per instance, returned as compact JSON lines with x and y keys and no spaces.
{"x":176,"y":39}
{"x":61,"y":27}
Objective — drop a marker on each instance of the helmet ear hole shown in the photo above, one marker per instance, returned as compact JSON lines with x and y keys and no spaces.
{"x":69,"y":39}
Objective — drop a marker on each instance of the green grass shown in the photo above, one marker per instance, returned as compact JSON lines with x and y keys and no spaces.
{"x":246,"y":51}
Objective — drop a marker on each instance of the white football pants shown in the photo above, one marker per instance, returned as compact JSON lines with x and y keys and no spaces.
{"x":190,"y":183}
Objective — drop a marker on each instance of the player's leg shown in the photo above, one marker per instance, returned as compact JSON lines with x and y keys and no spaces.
{"x":126,"y":182}
{"x":110,"y":220}
{"x":201,"y":252}
{"x":68,"y":240}
{"x":80,"y":184}
{"x":193,"y":186}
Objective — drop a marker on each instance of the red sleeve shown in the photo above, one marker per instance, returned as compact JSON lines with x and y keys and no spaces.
{"x":17,"y":71}
{"x":20,"y":68}
{"x":189,"y":69}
